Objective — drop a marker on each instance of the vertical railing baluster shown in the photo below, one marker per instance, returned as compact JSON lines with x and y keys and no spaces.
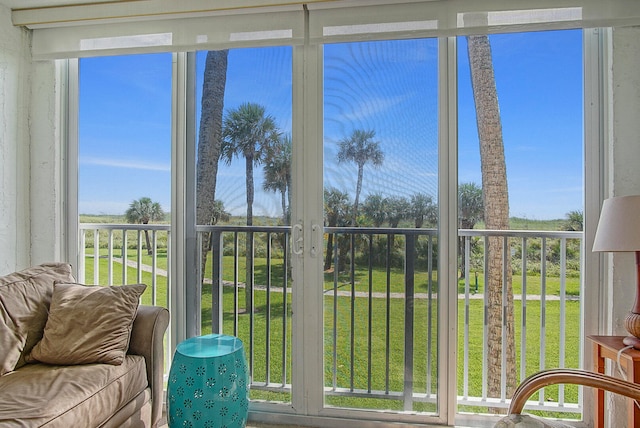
{"x":236,"y":284}
{"x":285,"y":313}
{"x":543,"y":310}
{"x":353,"y":312}
{"x":563,"y":303}
{"x":430,"y":303}
{"x":249,"y":282}
{"x":110,"y":257}
{"x":523,"y":303}
{"x":154,"y":267}
{"x":96,"y":256}
{"x":467,"y":311}
{"x":125,"y":260}
{"x":485,"y":330}
{"x":506,"y":257}
{"x":167,"y":349}
{"x":193,"y":293}
{"x":334,"y":382}
{"x":168,"y":281}
{"x":139,"y":260}
{"x":388,"y":321}
{"x":82,"y":262}
{"x":268,"y":313}
{"x":217,"y":290}
{"x":370,"y":314}
{"x":409,"y":281}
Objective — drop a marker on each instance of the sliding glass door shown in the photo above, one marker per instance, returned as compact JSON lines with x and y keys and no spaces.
{"x":381,"y":211}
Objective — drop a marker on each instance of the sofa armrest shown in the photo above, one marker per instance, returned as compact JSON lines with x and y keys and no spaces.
{"x":147,"y":336}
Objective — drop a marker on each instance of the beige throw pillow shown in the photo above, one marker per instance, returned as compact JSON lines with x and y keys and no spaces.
{"x":24,"y":307}
{"x":88,"y":324}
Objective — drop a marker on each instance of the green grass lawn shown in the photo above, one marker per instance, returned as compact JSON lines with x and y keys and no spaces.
{"x":270,"y":313}
{"x":533,"y":281}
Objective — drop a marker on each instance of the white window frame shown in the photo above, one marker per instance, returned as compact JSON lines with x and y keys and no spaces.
{"x":307,"y":87}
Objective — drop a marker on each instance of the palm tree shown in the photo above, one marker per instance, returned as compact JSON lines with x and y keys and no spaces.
{"x":496,"y":212}
{"x":209,"y":143}
{"x":336,"y":208}
{"x":143,"y":211}
{"x":470,"y":206}
{"x":360,"y":149}
{"x":375,"y":208}
{"x":398,"y":208}
{"x":423,"y":209}
{"x":248,"y":132}
{"x":574,"y":221}
{"x":277,"y":173}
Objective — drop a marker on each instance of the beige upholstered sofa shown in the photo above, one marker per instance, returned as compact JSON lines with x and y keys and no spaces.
{"x":78,"y":356}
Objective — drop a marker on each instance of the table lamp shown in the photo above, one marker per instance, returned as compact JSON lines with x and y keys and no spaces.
{"x":619,"y":230}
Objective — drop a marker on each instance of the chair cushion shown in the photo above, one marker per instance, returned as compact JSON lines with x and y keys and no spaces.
{"x":25,"y":297}
{"x":69,"y":396}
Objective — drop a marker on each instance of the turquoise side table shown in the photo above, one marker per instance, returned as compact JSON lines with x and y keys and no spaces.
{"x":208,"y":383}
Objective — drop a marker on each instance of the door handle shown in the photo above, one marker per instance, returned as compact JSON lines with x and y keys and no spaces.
{"x":298,"y":240}
{"x":316,"y":239}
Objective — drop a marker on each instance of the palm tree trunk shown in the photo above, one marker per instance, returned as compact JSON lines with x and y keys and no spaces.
{"x":496,"y":213}
{"x":461,"y":257}
{"x":248,"y":291}
{"x":146,"y":235}
{"x":209,"y":142}
{"x":283,"y":202}
{"x":357,"y":198}
{"x":329,"y":255}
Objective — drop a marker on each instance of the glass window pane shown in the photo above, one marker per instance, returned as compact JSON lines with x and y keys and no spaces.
{"x":124,"y":164}
{"x":243,"y":164}
{"x":381,"y":175}
{"x":520,"y":131}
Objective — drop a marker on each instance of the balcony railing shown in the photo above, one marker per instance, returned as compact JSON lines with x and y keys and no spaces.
{"x":380,"y":286}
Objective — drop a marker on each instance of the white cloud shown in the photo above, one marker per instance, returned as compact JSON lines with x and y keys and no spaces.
{"x":372,"y":107}
{"x":128,"y":164}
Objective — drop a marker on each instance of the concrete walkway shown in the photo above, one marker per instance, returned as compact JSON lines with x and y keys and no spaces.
{"x":347,"y":293}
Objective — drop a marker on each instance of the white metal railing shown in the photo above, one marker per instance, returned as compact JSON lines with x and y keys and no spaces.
{"x":543,"y":298}
{"x":362,"y":253}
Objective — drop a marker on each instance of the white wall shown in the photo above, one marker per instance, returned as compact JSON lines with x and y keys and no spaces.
{"x":31,"y":160}
{"x":624,"y":160}
{"x":15,"y":70}
{"x":623,"y":178}
{"x":47,"y":166}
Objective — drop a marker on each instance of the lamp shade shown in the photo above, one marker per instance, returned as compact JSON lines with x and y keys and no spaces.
{"x":619,"y":225}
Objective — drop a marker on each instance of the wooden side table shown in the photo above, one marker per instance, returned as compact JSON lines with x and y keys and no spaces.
{"x":608,"y":347}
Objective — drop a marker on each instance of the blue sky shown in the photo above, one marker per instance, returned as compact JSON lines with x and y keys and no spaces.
{"x":124,"y":132}
{"x":539,"y":83}
{"x":389,"y":87}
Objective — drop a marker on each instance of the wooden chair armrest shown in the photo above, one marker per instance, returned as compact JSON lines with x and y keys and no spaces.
{"x":570,"y":376}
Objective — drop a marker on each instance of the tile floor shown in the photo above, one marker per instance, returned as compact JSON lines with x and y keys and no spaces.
{"x":251,"y":425}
